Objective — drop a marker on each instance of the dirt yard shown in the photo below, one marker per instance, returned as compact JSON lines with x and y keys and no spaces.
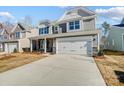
{"x":112,"y":69}
{"x":14,"y":60}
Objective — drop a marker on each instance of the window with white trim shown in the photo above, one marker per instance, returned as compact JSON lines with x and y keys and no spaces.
{"x":44,"y":30}
{"x":74,"y":25}
{"x":113,"y":42}
{"x":17,"y":34}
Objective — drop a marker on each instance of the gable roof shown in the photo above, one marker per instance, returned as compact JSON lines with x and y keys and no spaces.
{"x":76,"y":12}
{"x":11,"y":28}
{"x":45,"y":22}
{"x":121,"y":24}
{"x":22,"y":27}
{"x":5,"y":28}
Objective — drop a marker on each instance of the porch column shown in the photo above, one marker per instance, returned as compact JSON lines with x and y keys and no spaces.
{"x":45,"y":45}
{"x":30,"y":45}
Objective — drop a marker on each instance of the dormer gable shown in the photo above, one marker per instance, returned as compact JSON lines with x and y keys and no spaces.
{"x":18,"y":28}
{"x":77,"y":12}
{"x":44,"y":23}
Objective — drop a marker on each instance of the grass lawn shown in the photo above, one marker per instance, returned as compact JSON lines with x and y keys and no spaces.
{"x":112,"y":68}
{"x":14,"y":60}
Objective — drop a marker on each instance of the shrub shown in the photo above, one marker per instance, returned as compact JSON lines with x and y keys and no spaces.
{"x":100,"y":53}
{"x":15,"y":50}
{"x":26,"y":49}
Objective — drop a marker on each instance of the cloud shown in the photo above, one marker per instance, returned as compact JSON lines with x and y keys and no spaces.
{"x":63,"y":6}
{"x":115,"y":13}
{"x":6,"y":15}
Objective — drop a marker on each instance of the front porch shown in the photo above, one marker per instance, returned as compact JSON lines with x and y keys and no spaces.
{"x":46,"y":45}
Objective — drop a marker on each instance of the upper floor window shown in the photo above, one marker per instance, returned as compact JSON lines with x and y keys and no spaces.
{"x":74,"y":25}
{"x":44,"y":30}
{"x":17,"y":34}
{"x":5,"y":37}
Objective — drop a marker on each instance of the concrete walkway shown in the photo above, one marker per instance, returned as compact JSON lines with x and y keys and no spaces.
{"x":55,"y":70}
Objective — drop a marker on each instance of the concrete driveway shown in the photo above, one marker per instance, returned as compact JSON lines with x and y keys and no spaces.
{"x":55,"y":70}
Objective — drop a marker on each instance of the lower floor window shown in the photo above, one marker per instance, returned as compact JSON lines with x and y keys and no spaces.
{"x":113,"y":42}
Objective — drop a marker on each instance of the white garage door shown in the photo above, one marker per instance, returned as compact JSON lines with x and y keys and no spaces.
{"x":9,"y":47}
{"x":82,"y":47}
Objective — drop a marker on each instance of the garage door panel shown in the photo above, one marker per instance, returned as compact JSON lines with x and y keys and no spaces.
{"x":10,"y":47}
{"x":64,"y":45}
{"x":74,"y":47}
{"x":79,"y":45}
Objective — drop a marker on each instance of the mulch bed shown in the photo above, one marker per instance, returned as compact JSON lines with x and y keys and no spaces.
{"x":7,"y":57}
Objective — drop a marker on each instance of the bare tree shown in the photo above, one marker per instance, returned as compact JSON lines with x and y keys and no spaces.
{"x":106,"y":27}
{"x":27,"y":20}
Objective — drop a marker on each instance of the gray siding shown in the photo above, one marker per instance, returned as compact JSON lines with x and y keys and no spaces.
{"x":83,"y":13}
{"x":89,"y":24}
{"x":115,"y":34}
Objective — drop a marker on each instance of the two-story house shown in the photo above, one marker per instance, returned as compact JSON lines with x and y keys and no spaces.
{"x":4,"y":34}
{"x":73,"y":33}
{"x":17,"y":38}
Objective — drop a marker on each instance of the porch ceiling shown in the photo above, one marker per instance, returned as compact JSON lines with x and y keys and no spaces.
{"x":79,"y":33}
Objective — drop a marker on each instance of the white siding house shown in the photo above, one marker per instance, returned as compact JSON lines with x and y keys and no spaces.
{"x":115,"y":39}
{"x":73,"y":33}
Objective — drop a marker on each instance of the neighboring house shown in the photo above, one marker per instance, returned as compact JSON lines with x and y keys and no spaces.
{"x":17,"y":38}
{"x":4,"y":34}
{"x":1,"y":30}
{"x":115,"y":39}
{"x":73,"y":33}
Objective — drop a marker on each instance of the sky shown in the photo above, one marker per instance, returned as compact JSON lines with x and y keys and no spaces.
{"x":113,"y":15}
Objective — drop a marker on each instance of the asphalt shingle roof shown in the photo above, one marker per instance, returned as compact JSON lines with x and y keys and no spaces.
{"x":119,"y":25}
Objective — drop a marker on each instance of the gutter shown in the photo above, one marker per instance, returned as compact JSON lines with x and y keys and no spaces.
{"x":69,"y":34}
